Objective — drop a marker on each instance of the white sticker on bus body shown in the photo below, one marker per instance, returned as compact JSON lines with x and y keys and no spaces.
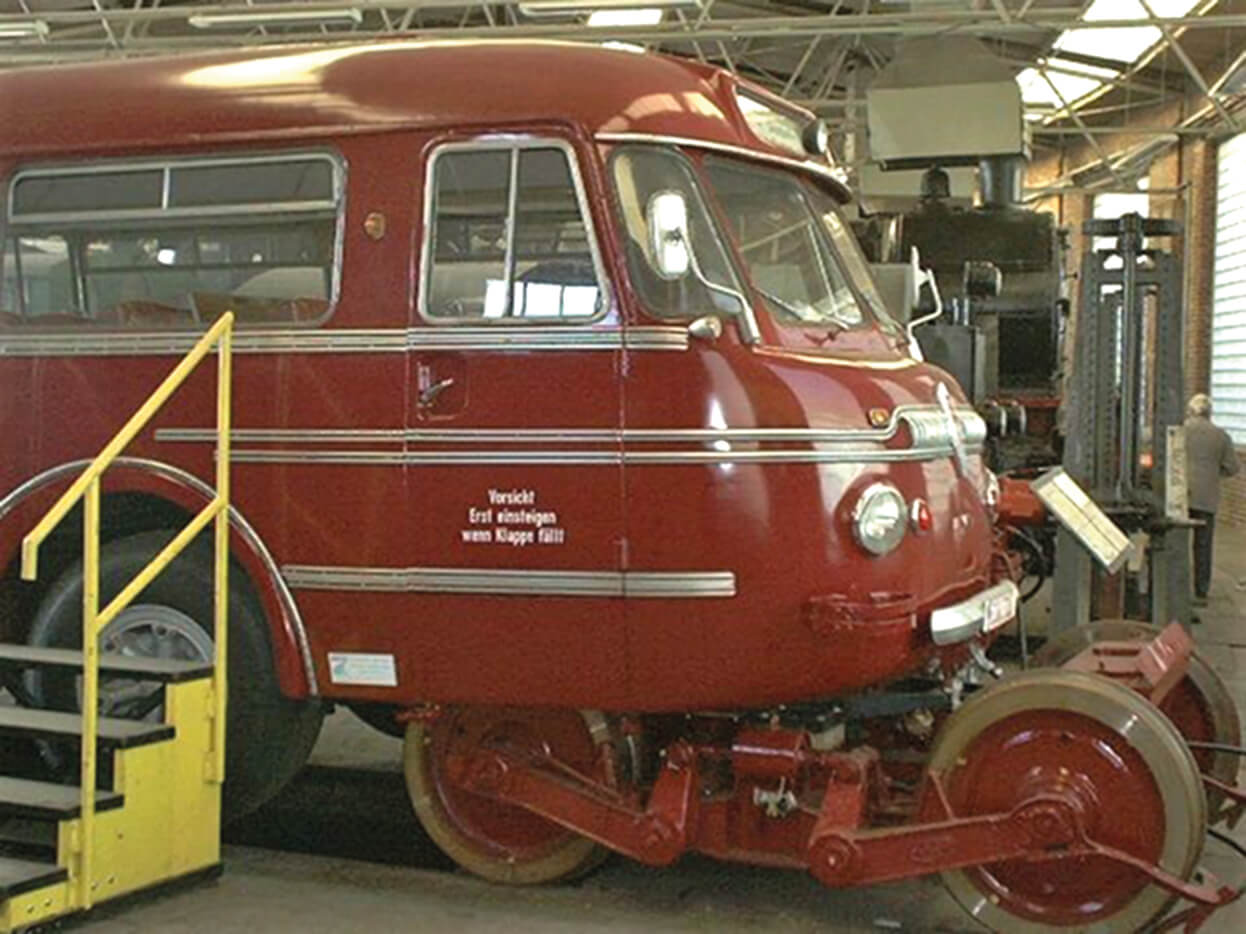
{"x":363,"y":668}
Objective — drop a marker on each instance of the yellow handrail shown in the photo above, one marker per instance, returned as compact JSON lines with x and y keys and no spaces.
{"x":87,"y":488}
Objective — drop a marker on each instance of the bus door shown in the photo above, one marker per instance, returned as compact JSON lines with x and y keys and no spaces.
{"x":513,"y":450}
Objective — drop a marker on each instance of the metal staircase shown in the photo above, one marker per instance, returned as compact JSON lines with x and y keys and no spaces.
{"x":146,"y":809}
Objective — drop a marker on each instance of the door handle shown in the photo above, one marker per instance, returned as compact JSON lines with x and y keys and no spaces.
{"x":428,"y":395}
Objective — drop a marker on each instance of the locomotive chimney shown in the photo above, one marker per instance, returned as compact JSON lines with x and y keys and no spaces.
{"x":1001,"y":179}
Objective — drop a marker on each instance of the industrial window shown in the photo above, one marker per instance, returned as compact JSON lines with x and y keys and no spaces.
{"x":173,"y":243}
{"x":1228,"y":318}
{"x":508,"y":237}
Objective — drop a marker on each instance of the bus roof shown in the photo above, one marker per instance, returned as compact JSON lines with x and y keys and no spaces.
{"x":280,"y":93}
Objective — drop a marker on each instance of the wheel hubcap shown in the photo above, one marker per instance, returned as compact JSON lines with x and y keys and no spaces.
{"x":147,"y":631}
{"x":1016,"y":760}
{"x":1112,"y":759}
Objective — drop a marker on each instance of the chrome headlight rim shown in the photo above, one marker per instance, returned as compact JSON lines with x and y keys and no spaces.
{"x":872,"y":498}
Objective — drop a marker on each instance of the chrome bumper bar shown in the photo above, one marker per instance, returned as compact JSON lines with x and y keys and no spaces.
{"x":981,"y":613}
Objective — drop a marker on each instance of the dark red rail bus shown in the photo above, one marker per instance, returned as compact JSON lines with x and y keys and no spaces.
{"x":574,"y":441}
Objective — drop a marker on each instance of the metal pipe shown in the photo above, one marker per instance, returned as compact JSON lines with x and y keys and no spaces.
{"x":1131,"y":315}
{"x":90,"y":687}
{"x":909,"y":23}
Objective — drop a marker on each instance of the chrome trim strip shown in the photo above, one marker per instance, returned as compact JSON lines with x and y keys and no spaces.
{"x":660,"y":584}
{"x":147,"y":343}
{"x":964,"y":620}
{"x":559,"y":337}
{"x":824,"y":171}
{"x":157,"y":213}
{"x":245,"y":529}
{"x":586,"y":458}
{"x":87,"y":343}
{"x":927,"y":424}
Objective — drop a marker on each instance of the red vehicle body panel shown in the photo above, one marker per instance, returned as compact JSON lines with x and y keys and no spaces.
{"x":808,"y":612}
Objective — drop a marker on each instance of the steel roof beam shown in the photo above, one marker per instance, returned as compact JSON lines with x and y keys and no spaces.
{"x":1171,"y":40}
{"x":877,"y":24}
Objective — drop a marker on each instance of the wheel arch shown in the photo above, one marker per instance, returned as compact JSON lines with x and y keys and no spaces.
{"x":141,"y":495}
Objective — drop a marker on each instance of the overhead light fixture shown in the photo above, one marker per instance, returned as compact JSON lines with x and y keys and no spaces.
{"x":346,"y":15}
{"x":539,"y":8}
{"x":24,"y":29}
{"x":641,"y":16}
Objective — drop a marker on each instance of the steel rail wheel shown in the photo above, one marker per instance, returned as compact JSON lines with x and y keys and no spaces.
{"x":1200,"y":707}
{"x":503,"y":842}
{"x":1087,"y":738}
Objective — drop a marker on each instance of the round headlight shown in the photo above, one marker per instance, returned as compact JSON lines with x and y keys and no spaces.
{"x":880,"y":518}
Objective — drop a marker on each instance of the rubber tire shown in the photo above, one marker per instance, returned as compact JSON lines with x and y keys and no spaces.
{"x":268,"y":736}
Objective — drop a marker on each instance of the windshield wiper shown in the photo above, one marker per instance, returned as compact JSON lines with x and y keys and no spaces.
{"x":800,"y":314}
{"x":833,"y":328}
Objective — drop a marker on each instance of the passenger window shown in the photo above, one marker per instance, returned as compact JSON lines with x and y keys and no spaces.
{"x":508,"y":239}
{"x":174,"y":244}
{"x":36,"y":280}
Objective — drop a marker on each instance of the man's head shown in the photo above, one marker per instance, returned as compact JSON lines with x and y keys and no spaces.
{"x":1199,"y":405}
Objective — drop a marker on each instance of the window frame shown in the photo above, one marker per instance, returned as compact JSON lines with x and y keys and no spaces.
{"x":722,"y":238}
{"x":64,"y":223}
{"x":869,"y":320}
{"x":515,"y":144}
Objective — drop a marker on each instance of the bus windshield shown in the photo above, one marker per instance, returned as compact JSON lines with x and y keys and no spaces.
{"x":783,"y":241}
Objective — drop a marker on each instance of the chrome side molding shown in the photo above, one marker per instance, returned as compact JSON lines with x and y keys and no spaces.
{"x":530,"y":583}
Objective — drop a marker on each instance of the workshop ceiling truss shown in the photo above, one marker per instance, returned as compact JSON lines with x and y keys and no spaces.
{"x":821,"y":53}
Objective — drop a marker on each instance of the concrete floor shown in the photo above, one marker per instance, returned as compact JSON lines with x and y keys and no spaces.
{"x":263,"y":890}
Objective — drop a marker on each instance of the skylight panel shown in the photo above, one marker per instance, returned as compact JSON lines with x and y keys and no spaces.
{"x":1072,"y":79}
{"x":1126,"y":43}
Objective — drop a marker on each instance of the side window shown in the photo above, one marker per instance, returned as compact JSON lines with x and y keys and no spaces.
{"x":36,"y":279}
{"x":508,"y":238}
{"x":639,"y":174}
{"x":173,"y":244}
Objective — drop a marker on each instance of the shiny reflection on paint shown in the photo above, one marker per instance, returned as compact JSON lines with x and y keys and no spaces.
{"x":833,"y":481}
{"x":697,"y":103}
{"x":291,"y":70}
{"x":1110,"y":754}
{"x":718,"y":420}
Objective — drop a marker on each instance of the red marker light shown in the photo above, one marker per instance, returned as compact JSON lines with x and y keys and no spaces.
{"x":920,"y":516}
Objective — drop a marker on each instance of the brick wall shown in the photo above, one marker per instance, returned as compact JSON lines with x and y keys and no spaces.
{"x":1201,"y":176}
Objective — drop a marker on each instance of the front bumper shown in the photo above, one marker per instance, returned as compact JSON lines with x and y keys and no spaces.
{"x":982,"y":613}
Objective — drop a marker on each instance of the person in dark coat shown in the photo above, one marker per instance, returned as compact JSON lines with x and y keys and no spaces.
{"x":1210,"y":455}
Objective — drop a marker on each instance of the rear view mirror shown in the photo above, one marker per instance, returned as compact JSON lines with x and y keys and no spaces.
{"x":922,"y":278}
{"x":667,"y":214}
